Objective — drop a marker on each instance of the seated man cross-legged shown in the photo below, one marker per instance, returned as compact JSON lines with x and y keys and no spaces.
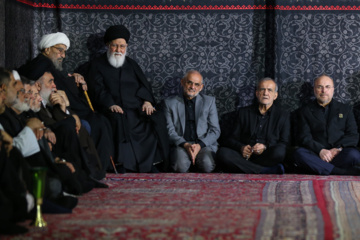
{"x":260,"y":136}
{"x":327,"y":134}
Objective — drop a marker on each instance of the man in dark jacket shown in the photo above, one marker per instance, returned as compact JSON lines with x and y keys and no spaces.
{"x":261,"y":133}
{"x":327,"y":134}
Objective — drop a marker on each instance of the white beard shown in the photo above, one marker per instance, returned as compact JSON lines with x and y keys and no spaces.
{"x":57,"y":64}
{"x":36,"y":108}
{"x":21,"y":106}
{"x":116,"y":59}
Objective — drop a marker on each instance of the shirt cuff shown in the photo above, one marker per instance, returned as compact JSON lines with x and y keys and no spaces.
{"x":202,"y":144}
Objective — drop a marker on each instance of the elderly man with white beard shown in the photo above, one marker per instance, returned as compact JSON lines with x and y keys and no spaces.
{"x":72,"y":141}
{"x":27,"y":134}
{"x":26,"y":137}
{"x":125,"y":96}
{"x":53,"y":49}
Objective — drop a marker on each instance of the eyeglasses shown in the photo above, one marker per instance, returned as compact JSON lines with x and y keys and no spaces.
{"x":116,"y":46}
{"x":61,"y":50}
{"x":188,"y":82}
{"x":320,"y":87}
{"x":22,"y":90}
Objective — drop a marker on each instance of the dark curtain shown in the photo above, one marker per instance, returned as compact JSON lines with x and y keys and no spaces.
{"x":232,"y":43}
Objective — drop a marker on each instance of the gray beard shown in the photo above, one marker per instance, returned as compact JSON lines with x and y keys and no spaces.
{"x":21,"y":106}
{"x":115,"y":61}
{"x":57,"y":64}
{"x":45,"y":95}
{"x":36,"y":109}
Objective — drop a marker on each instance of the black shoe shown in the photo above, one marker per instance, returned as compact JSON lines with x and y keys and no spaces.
{"x":66,"y":201}
{"x":11,"y":229}
{"x":51,"y":207}
{"x":154,"y":169}
{"x":99,"y":184}
{"x":120,"y":168}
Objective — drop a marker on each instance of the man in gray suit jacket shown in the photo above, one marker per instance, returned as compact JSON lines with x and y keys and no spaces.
{"x":193,"y":126}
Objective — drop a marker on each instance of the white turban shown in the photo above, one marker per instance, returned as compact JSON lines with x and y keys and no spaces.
{"x":16,"y":75}
{"x":52,"y":39}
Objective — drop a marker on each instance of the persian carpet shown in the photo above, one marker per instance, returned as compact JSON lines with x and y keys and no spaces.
{"x":212,"y":206}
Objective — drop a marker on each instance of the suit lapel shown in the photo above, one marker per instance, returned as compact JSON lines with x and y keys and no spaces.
{"x":252,"y":115}
{"x":334,"y":113}
{"x":315,"y":112}
{"x":272,"y":117}
{"x":199,"y":103}
{"x":181,"y":112}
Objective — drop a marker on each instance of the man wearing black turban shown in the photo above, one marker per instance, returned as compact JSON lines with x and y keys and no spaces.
{"x":53,"y":49}
{"x":125,"y":96}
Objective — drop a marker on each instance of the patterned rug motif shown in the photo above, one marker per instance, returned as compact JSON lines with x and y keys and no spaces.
{"x":212,"y":206}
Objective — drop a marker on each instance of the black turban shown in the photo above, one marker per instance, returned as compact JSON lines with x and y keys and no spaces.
{"x":36,"y":68}
{"x":115,"y":32}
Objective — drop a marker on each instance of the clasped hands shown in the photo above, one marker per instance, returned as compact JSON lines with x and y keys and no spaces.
{"x":328,"y":155}
{"x":257,"y":149}
{"x":192,"y":150}
{"x":146,"y":107}
{"x":37,"y":126}
{"x":59,"y":97}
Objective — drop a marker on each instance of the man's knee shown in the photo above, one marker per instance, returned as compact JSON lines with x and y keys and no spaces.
{"x":206,"y":161}
{"x":277,"y":153}
{"x":227,"y":156}
{"x":354,"y":154}
{"x":180,"y":161}
{"x":299,"y":155}
{"x":181,"y":165}
{"x":351,"y":157}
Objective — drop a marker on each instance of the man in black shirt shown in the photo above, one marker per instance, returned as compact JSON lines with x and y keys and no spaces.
{"x":327,"y":134}
{"x":260,"y":137}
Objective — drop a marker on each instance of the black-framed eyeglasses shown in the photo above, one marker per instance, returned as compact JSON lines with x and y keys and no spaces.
{"x":320,"y":87}
{"x":190,"y":83}
{"x":61,"y":50}
{"x":22,"y":90}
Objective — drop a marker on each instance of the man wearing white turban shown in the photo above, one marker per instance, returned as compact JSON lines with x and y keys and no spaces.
{"x":53,"y":39}
{"x":53,"y":51}
{"x":54,"y":46}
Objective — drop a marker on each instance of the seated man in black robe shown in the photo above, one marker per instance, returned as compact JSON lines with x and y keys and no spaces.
{"x":125,"y":96}
{"x":25,"y":135}
{"x":55,"y":114}
{"x":53,"y":48}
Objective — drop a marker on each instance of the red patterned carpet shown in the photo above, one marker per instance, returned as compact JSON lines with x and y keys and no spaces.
{"x":212,"y":206}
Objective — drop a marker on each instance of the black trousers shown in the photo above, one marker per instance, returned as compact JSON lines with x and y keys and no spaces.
{"x":232,"y":161}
